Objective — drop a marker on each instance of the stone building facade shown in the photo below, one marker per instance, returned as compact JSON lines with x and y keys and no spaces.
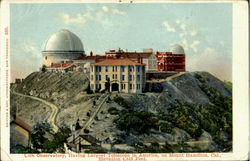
{"x":122,"y":75}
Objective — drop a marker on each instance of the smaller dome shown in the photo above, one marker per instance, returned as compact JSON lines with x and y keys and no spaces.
{"x":177,"y":49}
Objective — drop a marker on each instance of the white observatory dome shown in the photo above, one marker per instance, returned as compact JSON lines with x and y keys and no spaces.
{"x":62,"y":46}
{"x":63,"y":40}
{"x":177,"y":49}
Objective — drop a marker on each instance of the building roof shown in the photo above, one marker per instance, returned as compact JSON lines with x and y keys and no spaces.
{"x":63,"y":40}
{"x":91,"y":57}
{"x":21,"y":123}
{"x":136,"y":55}
{"x":119,"y":62}
{"x":60,"y":65}
{"x":121,"y":53}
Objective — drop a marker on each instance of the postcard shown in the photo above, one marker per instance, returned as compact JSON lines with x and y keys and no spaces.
{"x":124,"y":80}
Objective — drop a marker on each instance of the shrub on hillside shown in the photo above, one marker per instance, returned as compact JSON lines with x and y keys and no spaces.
{"x":199,"y":77}
{"x":113,"y":111}
{"x":228,"y":85}
{"x":166,"y":127}
{"x":135,"y":120}
{"x":120,"y":100}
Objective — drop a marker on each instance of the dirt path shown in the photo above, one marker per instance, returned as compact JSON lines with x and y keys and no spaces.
{"x":53,"y":114}
{"x":167,"y":79}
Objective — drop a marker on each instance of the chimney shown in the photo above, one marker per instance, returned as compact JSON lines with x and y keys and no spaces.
{"x":91,"y":53}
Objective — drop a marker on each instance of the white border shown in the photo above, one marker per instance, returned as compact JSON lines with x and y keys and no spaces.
{"x":240,"y":81}
{"x":4,"y":78}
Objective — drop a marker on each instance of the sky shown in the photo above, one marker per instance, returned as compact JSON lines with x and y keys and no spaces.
{"x":203,"y":29}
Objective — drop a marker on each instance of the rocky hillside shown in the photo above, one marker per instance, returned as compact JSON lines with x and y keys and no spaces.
{"x":170,"y":106}
{"x":185,"y":87}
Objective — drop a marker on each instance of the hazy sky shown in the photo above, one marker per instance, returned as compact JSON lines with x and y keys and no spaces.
{"x":204,"y":30}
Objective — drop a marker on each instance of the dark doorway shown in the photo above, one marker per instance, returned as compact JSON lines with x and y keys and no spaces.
{"x":115,"y":87}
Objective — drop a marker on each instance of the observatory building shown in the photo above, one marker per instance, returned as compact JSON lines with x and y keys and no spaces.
{"x":62,"y":47}
{"x":171,"y":61}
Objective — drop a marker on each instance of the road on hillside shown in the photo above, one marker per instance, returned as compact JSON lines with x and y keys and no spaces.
{"x":53,"y":114}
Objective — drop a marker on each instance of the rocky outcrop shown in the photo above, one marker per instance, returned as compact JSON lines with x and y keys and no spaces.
{"x":184,"y":87}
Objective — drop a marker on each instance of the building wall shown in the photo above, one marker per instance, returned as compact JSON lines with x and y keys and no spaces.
{"x":49,"y":58}
{"x":166,"y":61}
{"x":18,"y":135}
{"x":151,"y":63}
{"x":133,"y":82}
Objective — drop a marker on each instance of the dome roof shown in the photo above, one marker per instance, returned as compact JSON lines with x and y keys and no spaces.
{"x":177,"y":49}
{"x":63,"y":40}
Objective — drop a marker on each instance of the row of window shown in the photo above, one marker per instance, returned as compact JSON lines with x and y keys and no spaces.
{"x":114,"y":76}
{"x":123,"y":86}
{"x":97,"y":86}
{"x":114,"y":68}
{"x":131,"y":86}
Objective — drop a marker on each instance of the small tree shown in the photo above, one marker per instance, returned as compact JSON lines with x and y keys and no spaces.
{"x":37,"y":135}
{"x":107,"y":85}
{"x":43,"y":69}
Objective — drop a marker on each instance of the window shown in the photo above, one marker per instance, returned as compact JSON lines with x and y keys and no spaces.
{"x":96,"y":86}
{"x":138,"y":77}
{"x":130,"y":86}
{"x":123,"y":68}
{"x":138,"y":86}
{"x":130,"y":68}
{"x":123,"y":77}
{"x":45,"y":57}
{"x":91,"y":77}
{"x":123,"y":86}
{"x":130,"y":77}
{"x":106,"y":68}
{"x":100,"y":86}
{"x":115,"y":76}
{"x":138,"y":68}
{"x":96,"y":68}
{"x":100,"y":78}
{"x":91,"y":68}
{"x":96,"y":77}
{"x":113,"y":68}
{"x":100,"y":68}
{"x":107,"y":77}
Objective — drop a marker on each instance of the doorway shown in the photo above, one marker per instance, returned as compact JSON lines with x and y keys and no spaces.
{"x":115,"y":87}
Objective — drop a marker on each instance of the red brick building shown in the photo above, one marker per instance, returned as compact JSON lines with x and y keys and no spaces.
{"x":171,"y":61}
